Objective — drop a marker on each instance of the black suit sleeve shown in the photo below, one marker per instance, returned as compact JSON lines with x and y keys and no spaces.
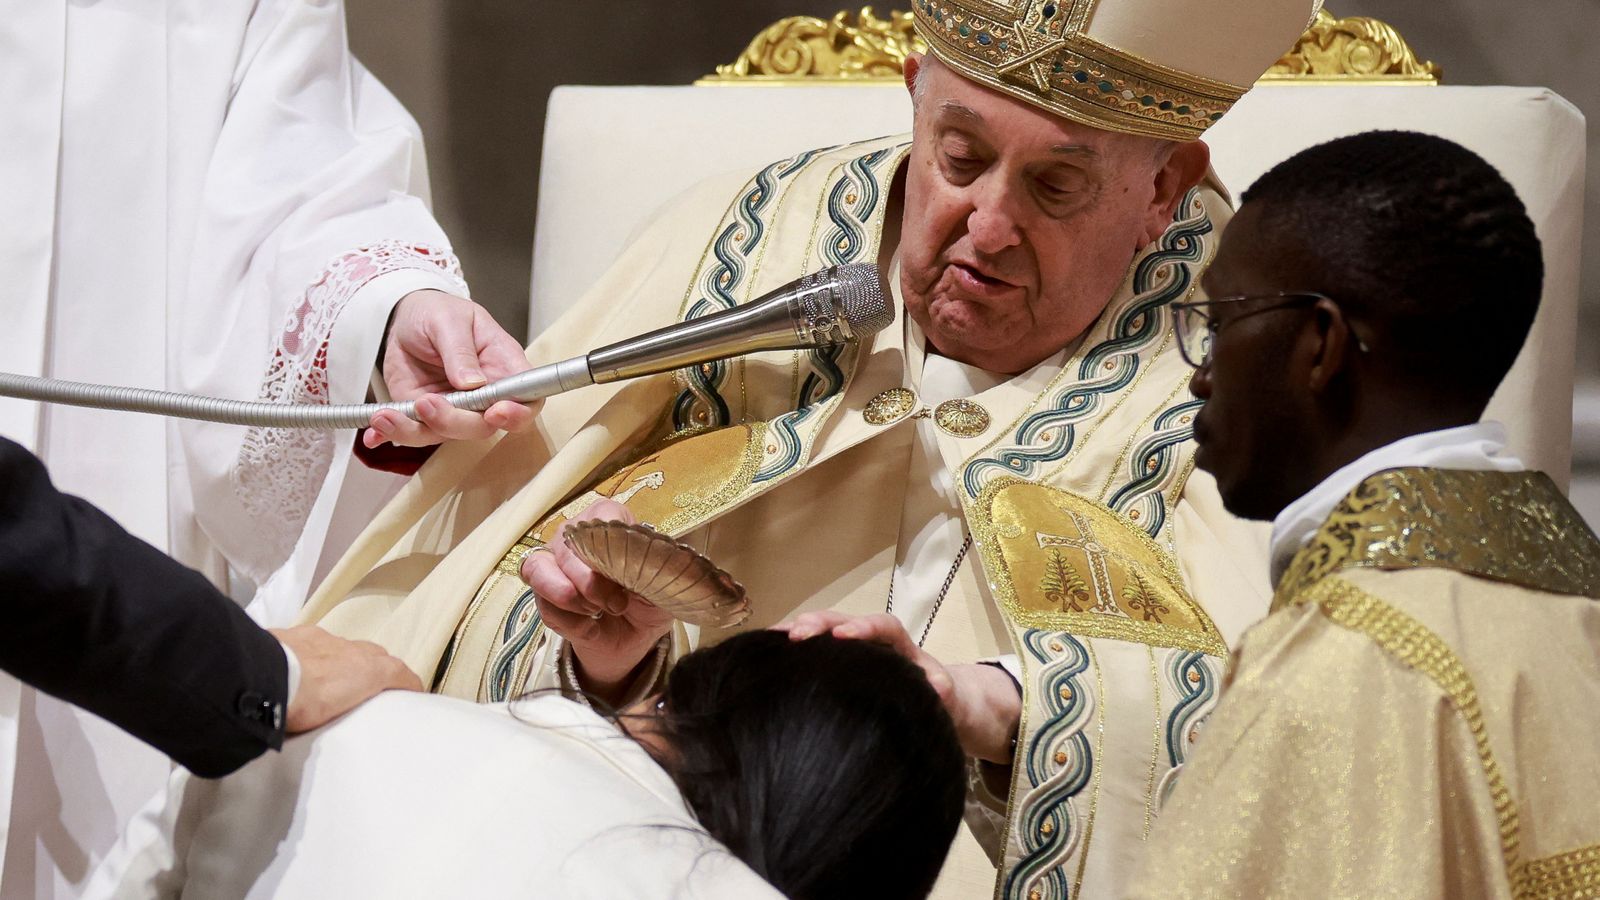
{"x":97,"y":617}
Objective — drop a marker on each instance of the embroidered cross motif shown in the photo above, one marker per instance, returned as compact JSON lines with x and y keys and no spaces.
{"x":1034,"y":57}
{"x":1097,"y":554}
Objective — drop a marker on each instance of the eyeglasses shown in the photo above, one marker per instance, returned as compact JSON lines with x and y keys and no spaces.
{"x":1197,"y":327}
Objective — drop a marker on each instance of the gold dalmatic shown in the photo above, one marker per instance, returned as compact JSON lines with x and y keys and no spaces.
{"x":786,"y":468}
{"x":1416,"y":716}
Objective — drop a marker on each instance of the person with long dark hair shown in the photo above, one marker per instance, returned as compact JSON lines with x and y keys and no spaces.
{"x":822,"y":768}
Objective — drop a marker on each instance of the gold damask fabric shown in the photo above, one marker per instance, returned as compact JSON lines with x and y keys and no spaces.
{"x":1409,"y":729}
{"x":1507,"y":526}
{"x":1061,"y":562}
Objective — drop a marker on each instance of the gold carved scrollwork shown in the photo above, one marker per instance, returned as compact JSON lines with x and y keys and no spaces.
{"x":845,"y":48}
{"x":853,"y":48}
{"x":1353,"y":49}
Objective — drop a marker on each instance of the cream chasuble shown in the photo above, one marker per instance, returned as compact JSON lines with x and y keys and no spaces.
{"x":1417,"y":716}
{"x":1097,"y":556}
{"x":200,"y":196}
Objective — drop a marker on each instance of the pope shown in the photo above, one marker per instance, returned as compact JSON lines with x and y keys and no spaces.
{"x":1004,"y":474}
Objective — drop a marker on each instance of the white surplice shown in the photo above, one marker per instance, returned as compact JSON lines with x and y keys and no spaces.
{"x":418,"y":795}
{"x":209,"y":196}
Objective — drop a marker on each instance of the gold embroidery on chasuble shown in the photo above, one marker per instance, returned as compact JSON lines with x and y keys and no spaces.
{"x":1514,"y":527}
{"x":1071,"y":502}
{"x":815,"y":209}
{"x":1060,"y":562}
{"x":674,"y":489}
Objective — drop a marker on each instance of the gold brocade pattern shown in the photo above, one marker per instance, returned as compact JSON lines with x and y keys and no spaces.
{"x":1514,"y":527}
{"x":695,"y":508}
{"x":1573,"y":874}
{"x":674,"y":488}
{"x":1414,"y":645}
{"x":1061,"y":562}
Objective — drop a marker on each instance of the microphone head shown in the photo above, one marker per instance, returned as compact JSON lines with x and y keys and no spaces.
{"x":839,"y":303}
{"x":865,"y":297}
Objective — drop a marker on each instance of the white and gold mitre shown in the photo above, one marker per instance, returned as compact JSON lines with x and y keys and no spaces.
{"x":1161,"y":68}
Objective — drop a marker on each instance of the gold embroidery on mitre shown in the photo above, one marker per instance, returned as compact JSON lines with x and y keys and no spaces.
{"x":962,"y":418}
{"x":1062,"y":562}
{"x":1514,"y":527}
{"x":889,"y":406}
{"x":1043,"y":57}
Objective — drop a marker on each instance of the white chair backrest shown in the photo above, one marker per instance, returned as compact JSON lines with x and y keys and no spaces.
{"x":613,"y":155}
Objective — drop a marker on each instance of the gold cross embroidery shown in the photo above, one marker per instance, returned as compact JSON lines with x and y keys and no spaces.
{"x":1097,"y":554}
{"x":1032,"y":56}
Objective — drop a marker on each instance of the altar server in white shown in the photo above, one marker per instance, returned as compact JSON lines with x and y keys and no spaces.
{"x":209,"y":196}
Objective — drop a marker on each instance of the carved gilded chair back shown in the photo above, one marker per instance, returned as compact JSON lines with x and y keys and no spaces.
{"x":864,"y":48}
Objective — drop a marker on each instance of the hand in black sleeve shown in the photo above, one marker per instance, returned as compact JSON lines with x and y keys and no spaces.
{"x":93,"y":615}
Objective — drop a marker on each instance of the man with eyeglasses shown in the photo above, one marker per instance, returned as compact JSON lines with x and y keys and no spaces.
{"x":1416,"y":717}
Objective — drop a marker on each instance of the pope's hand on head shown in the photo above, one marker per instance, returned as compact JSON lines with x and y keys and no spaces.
{"x":982,"y":700}
{"x":610,"y":629}
{"x":439,"y":343}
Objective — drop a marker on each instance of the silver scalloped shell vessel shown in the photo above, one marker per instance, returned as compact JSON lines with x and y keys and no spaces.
{"x":668,"y":573}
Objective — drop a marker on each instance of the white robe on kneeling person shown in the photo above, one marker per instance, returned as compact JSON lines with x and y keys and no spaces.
{"x":417,"y":795}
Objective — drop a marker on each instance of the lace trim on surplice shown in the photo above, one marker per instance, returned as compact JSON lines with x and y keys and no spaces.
{"x":280,"y":471}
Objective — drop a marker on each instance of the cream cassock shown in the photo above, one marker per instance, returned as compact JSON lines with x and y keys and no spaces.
{"x":208,"y":196}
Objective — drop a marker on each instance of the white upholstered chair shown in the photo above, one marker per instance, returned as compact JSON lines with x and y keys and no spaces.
{"x":612,"y":155}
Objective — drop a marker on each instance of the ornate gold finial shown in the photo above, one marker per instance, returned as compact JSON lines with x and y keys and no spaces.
{"x":838,"y":49}
{"x":1349,"y":50}
{"x":804,"y":49}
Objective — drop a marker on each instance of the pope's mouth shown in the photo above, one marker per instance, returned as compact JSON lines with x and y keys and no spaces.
{"x":979,"y":282}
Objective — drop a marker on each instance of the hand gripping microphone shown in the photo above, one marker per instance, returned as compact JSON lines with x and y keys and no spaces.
{"x":835,"y":305}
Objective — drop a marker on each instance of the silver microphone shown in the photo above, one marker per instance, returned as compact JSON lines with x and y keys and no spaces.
{"x":835,"y":305}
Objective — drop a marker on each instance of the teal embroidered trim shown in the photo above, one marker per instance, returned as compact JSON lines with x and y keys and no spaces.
{"x":1059,"y":764}
{"x":1152,"y":465}
{"x":720,"y":283}
{"x":853,"y":203}
{"x":1162,"y":276}
{"x":1194,"y":675}
{"x":523,"y":624}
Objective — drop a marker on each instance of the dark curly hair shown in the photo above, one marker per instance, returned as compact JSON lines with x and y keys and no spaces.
{"x":828,"y":766}
{"x":1422,"y":239}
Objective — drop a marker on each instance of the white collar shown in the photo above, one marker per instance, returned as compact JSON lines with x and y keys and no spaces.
{"x":1479,"y":447}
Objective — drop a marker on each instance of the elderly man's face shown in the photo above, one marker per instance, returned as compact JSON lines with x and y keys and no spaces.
{"x":1019,"y":225}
